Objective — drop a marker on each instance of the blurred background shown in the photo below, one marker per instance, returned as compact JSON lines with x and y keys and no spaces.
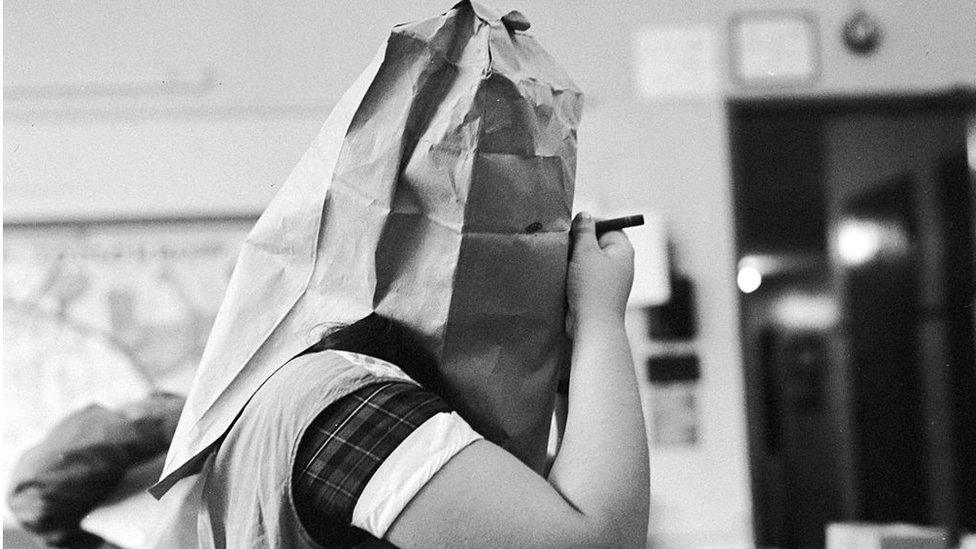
{"x":803,"y":318}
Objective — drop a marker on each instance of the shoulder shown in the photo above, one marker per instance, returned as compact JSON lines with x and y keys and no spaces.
{"x":345,"y":362}
{"x":366,"y":455}
{"x":300,"y":390}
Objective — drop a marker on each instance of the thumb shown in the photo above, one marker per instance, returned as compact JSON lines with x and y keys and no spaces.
{"x":584,"y":230}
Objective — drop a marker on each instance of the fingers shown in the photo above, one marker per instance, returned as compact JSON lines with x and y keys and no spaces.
{"x":584,"y":234}
{"x":613,"y":239}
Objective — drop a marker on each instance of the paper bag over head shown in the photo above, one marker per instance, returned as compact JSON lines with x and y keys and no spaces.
{"x":437,"y":194}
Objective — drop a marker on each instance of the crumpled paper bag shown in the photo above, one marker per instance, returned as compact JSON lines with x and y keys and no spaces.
{"x":438,"y":193}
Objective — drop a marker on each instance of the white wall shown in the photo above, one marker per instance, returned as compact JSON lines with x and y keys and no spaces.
{"x":276,"y":72}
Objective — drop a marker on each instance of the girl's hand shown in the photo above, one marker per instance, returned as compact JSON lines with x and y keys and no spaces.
{"x":601,"y":272}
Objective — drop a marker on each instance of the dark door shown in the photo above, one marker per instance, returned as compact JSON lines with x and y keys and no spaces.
{"x":857,"y":217}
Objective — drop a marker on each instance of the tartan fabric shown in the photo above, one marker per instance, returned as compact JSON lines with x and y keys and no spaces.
{"x":344,"y":446}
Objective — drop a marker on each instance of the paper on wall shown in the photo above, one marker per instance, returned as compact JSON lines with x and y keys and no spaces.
{"x":676,"y":62}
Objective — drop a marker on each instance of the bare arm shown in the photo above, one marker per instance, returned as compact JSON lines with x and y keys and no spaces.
{"x":596,"y":494}
{"x":605,"y":423}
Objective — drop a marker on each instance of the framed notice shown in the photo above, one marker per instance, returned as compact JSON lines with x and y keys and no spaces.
{"x":774,"y":48}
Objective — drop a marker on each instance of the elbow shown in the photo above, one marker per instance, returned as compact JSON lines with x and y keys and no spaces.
{"x":623,"y":530}
{"x":627,"y":525}
{"x":631,"y":532}
{"x":634,"y":534}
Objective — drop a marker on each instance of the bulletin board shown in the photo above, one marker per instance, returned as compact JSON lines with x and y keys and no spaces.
{"x":105,"y":312}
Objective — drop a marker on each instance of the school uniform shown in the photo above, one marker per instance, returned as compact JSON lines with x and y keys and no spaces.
{"x":327,"y":453}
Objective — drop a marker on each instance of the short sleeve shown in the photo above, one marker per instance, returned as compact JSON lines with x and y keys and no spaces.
{"x":365,"y":456}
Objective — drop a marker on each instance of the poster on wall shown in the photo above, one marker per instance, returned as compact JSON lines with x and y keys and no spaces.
{"x":104,"y":313}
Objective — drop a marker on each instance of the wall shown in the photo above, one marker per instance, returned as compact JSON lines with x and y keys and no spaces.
{"x":672,"y":157}
{"x":276,"y":72}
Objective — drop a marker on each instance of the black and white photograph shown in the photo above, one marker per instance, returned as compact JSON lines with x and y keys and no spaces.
{"x":489,"y":274}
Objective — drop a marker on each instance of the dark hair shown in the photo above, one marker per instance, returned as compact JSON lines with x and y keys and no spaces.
{"x":385,"y":339}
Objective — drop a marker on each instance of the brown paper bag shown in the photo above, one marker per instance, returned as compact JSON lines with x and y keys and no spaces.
{"x":438,"y":194}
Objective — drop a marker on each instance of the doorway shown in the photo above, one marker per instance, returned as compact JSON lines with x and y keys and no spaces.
{"x":855,"y":230}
